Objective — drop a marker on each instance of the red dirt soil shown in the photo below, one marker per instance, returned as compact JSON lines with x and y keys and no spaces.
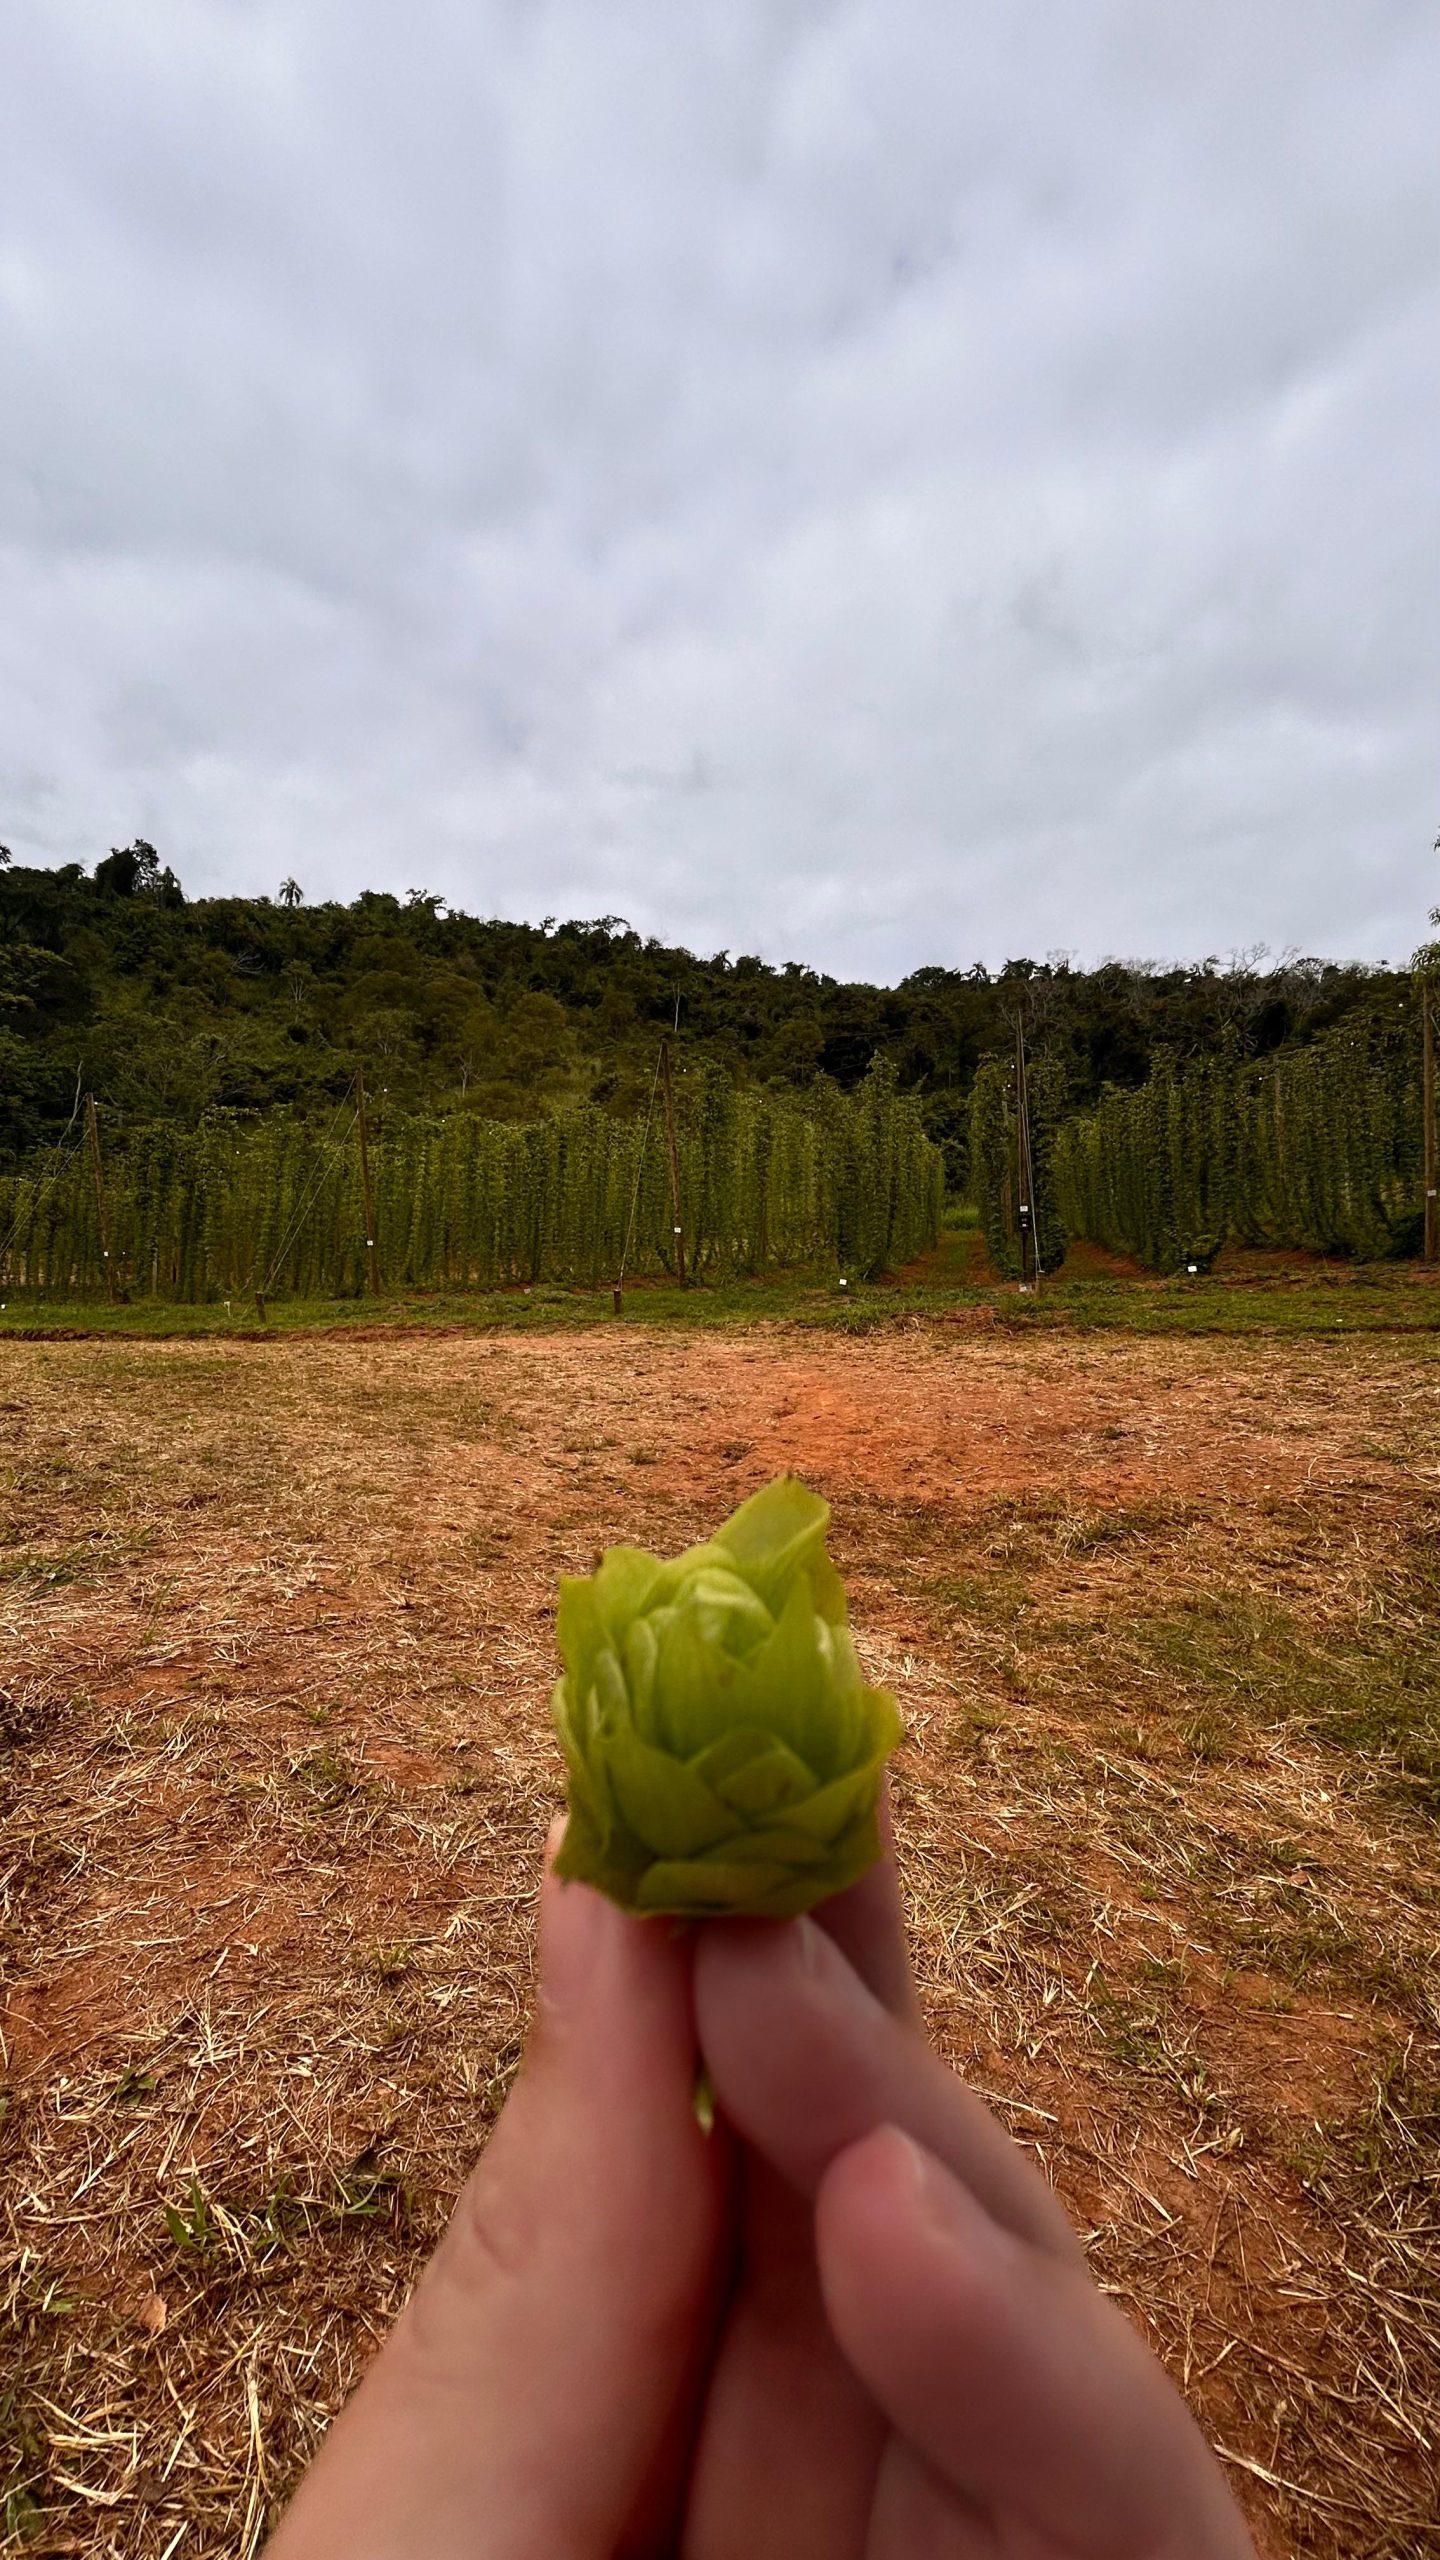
{"x":276,"y":1820}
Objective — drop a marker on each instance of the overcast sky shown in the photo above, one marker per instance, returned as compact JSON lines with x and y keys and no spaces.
{"x":901,"y":481}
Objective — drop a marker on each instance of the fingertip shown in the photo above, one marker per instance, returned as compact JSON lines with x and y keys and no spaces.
{"x":887,"y":2199}
{"x":741,"y":1962}
{"x":1001,"y":2364}
{"x":878,"y":2175}
{"x":786,"y":2027}
{"x":911,"y":2279}
{"x":766,"y":1959}
{"x":760,"y":1983}
{"x":867,"y":1923}
{"x":599,"y":1966}
{"x":859,"y":2201}
{"x":807,"y":2059}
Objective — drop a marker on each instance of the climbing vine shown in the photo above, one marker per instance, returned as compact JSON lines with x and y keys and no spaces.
{"x":994,"y":1160}
{"x":767,"y":1181}
{"x":1318,"y":1147}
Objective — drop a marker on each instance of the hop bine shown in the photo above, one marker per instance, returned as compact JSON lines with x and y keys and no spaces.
{"x":725,"y":1754}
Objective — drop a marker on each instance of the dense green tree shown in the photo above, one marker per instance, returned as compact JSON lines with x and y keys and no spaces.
{"x":135,"y":871}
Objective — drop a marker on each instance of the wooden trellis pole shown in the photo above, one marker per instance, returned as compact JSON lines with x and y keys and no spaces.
{"x":92,"y":1138}
{"x":1431,"y":1245}
{"x":372,"y":1262}
{"x":674,"y":1161}
{"x":1025,"y":1165}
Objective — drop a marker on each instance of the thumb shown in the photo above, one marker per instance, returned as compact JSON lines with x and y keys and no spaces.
{"x":535,"y":2391}
{"x":1004,"y":2367}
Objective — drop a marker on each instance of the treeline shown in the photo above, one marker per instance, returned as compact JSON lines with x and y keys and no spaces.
{"x":277,"y":1205}
{"x":175,"y":1009}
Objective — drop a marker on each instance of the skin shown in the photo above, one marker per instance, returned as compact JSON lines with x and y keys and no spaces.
{"x":853,"y":2324}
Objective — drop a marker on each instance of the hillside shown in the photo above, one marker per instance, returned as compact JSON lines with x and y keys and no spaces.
{"x":170,"y":1008}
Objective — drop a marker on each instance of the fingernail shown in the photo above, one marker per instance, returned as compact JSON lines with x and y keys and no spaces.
{"x":947,"y":2206}
{"x":828,"y":1969}
{"x":579,"y":1931}
{"x":906,"y":2157}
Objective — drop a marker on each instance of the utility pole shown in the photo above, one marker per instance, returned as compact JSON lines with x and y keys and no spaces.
{"x":674,"y":1160}
{"x":92,"y":1134}
{"x":372,"y":1265}
{"x":1431,"y":1245}
{"x":1024,"y":1164}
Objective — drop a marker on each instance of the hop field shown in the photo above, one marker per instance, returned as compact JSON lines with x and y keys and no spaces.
{"x":275,"y":1645}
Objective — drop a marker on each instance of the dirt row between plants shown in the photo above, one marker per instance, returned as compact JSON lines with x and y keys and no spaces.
{"x":275,"y":1644}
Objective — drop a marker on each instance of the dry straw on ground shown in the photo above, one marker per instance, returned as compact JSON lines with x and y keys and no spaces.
{"x":276,"y":1645}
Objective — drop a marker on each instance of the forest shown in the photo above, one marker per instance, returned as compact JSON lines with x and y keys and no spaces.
{"x":172,"y":1010}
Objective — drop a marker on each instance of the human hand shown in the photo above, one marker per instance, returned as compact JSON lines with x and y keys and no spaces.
{"x":859,"y":2326}
{"x":536,"y":2398}
{"x":916,"y":2364}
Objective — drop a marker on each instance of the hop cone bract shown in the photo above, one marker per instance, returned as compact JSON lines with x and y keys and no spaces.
{"x":724,"y":1751}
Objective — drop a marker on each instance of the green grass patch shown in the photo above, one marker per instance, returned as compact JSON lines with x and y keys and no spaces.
{"x":50,"y":1572}
{"x":1289,"y":1307}
{"x":1387,"y":1299}
{"x":994,"y":1599}
{"x":1236,"y":1660}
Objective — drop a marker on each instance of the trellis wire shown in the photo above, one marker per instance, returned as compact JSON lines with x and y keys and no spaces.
{"x":639,"y":1168}
{"x":66,"y":1146}
{"x":307,"y":1198}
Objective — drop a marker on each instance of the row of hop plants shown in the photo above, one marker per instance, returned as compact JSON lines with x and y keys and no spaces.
{"x":1319,"y":1147}
{"x":766,"y":1182}
{"x":995,"y":1161}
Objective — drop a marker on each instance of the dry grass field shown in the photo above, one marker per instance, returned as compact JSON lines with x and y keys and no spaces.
{"x":275,"y":1646}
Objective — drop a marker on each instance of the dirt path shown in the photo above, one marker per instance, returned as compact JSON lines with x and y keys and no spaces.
{"x":275,"y":1641}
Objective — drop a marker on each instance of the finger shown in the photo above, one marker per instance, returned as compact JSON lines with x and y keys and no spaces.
{"x":1008,"y":2370}
{"x":785,"y":2464}
{"x":806,"y":2060}
{"x":916,"y":2515}
{"x":533,"y":2393}
{"x":867,"y":1922}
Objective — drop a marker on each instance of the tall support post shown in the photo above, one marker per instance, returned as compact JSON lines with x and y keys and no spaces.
{"x":372,"y":1263}
{"x":92,"y":1138}
{"x":1024,"y":1164}
{"x":670,"y":1141}
{"x":1431,"y":1245}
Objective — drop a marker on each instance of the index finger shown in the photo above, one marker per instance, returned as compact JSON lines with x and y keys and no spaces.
{"x":806,"y":2059}
{"x":867,"y":1923}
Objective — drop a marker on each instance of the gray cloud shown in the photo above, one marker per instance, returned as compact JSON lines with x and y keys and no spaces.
{"x":878,"y":483}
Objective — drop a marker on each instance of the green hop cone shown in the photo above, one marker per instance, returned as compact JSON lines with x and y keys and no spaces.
{"x":725,"y":1754}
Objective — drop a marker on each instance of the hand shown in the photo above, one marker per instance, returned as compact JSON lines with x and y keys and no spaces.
{"x":857,"y":2328}
{"x":916,"y":2365}
{"x":536,"y":2398}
